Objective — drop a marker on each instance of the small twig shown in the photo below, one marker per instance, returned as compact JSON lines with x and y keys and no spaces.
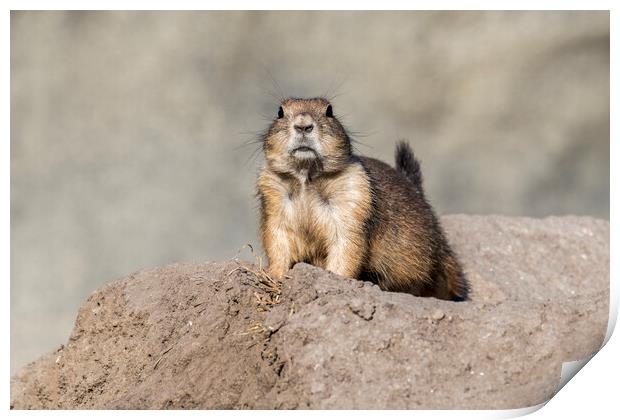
{"x":162,"y":355}
{"x":235,"y":269}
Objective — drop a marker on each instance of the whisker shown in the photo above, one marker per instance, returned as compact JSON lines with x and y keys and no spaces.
{"x":253,"y":156}
{"x":333,"y":92}
{"x":356,"y":142}
{"x":280,"y":97}
{"x":246,"y":144}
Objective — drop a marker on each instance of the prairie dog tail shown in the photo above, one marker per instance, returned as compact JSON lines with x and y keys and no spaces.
{"x":408,"y":164}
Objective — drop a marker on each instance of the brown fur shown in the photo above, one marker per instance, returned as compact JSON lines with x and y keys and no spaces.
{"x":355,"y":216}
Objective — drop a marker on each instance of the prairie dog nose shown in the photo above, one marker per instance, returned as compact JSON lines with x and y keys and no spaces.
{"x":303,"y":123}
{"x":304,"y":128}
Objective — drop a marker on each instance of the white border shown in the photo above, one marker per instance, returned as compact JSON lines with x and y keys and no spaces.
{"x":596,"y":387}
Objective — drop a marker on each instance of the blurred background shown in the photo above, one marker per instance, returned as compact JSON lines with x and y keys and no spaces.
{"x":128,"y":129}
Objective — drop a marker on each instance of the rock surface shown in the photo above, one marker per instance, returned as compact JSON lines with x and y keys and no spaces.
{"x":219,"y":335}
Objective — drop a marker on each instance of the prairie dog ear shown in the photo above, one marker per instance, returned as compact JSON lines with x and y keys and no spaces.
{"x":329,"y":112}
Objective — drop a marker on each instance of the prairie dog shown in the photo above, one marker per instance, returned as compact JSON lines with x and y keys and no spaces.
{"x":353,"y":215}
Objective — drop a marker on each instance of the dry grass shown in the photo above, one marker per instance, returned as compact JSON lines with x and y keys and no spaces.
{"x":256,"y":328}
{"x":269,"y":289}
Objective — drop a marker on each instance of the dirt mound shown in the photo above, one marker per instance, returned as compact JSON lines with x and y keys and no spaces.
{"x":218,"y":335}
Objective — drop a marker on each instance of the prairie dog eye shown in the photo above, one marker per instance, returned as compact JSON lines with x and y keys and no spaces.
{"x":280,"y":113}
{"x":329,"y":112}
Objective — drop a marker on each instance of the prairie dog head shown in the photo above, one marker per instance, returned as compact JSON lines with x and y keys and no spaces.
{"x":306,"y":137}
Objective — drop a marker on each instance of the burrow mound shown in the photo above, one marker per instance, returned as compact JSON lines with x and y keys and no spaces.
{"x":221,"y":335}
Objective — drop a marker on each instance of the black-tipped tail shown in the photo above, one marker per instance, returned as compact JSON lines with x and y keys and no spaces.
{"x":408,"y":164}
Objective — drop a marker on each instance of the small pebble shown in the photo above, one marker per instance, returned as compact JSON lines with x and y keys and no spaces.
{"x":437,"y":315}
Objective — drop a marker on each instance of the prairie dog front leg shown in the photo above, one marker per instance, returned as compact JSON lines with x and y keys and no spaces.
{"x":277,"y":249}
{"x":346,"y":253}
{"x":272,"y":193}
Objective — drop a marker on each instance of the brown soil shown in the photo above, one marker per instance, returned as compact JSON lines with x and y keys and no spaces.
{"x":217,"y":335}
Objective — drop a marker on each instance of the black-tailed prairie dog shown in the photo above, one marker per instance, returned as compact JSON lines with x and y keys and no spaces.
{"x":353,"y":215}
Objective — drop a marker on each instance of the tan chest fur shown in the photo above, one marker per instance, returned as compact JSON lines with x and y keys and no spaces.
{"x":319,"y":221}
